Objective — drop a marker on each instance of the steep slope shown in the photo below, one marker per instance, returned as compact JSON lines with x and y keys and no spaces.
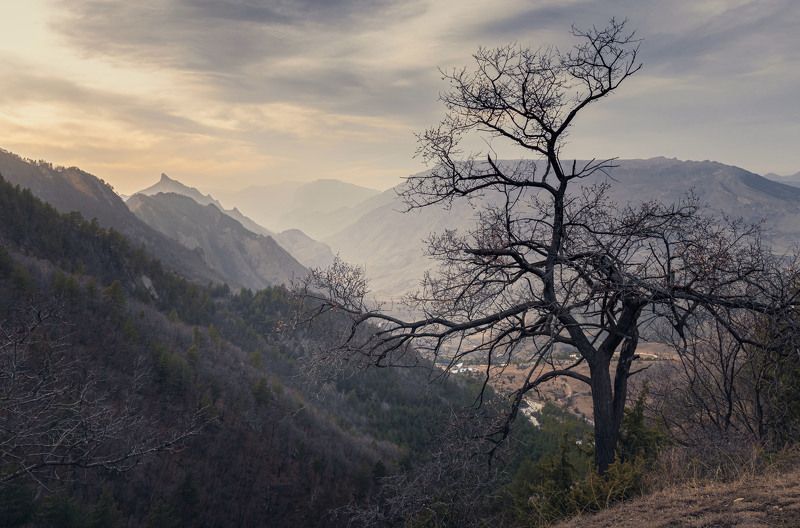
{"x":305,"y":249}
{"x":279,"y":450}
{"x":389,"y":242}
{"x":71,"y":189}
{"x":238,"y":254}
{"x":319,"y":208}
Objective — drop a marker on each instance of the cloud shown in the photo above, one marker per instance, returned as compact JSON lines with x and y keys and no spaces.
{"x":271,"y":81}
{"x":257,"y":51}
{"x":680,"y":37}
{"x":23,"y":89}
{"x":328,"y":53}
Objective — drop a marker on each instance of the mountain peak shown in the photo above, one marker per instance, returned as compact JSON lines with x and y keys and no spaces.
{"x":165,"y":178}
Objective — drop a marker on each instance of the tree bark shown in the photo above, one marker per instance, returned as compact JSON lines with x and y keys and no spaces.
{"x":606,"y":428}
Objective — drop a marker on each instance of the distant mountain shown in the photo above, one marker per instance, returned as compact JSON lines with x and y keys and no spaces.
{"x":319,"y":208}
{"x":724,"y":188}
{"x":305,"y":249}
{"x":239,"y":255}
{"x":168,"y":185}
{"x":71,"y":189}
{"x":791,"y":179}
{"x":389,"y":242}
{"x":309,"y":252}
{"x":264,"y":203}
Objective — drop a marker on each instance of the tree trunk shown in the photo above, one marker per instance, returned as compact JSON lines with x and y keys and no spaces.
{"x":606,"y":428}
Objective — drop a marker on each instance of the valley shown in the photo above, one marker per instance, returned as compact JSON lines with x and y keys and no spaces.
{"x":303,"y":264}
{"x":566,"y":393}
{"x":216,"y":329}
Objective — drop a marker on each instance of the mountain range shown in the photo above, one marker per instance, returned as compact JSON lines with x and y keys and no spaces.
{"x":73,"y":190}
{"x":305,"y":249}
{"x":283,"y":438}
{"x":191,"y":233}
{"x":238,"y":245}
{"x":389,"y":242}
{"x":252,"y":260}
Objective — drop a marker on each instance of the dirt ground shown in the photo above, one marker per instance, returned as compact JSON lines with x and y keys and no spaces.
{"x":771,"y":500}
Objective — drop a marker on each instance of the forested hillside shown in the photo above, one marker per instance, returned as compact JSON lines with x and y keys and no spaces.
{"x":210,"y":383}
{"x":73,"y":190}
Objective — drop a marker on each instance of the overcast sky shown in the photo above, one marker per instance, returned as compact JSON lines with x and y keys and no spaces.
{"x":231,"y":93}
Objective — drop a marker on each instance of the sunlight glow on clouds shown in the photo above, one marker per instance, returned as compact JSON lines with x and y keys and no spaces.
{"x":233,"y":92}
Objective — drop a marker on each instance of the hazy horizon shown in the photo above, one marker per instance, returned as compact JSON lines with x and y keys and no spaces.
{"x":234,"y":94}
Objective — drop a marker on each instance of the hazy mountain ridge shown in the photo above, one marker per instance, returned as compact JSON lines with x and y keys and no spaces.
{"x":318,"y":208}
{"x":789,"y":179}
{"x":71,"y":189}
{"x":305,"y":249}
{"x":239,"y":255}
{"x":389,"y":242}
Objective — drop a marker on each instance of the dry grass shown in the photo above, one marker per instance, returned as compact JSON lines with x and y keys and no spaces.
{"x":768,"y":500}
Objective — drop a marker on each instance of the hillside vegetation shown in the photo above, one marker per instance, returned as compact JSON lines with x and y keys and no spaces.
{"x":73,"y":190}
{"x":160,"y":357}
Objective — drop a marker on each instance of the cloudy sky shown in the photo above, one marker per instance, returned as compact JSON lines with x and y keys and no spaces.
{"x":231,"y":93}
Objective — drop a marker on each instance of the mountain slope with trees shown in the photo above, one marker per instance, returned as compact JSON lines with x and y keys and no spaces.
{"x":73,"y":190}
{"x":273,"y":446}
{"x":236,"y":253}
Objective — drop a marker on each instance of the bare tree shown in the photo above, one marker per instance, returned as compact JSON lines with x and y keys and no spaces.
{"x":728,"y":391}
{"x":53,"y":415}
{"x":552,"y":261}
